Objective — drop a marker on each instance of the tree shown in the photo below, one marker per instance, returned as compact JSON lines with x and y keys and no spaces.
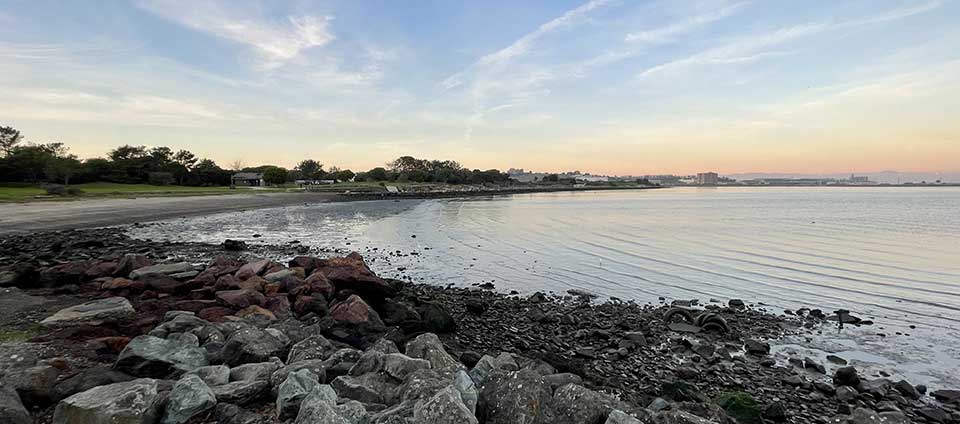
{"x":310,"y":169}
{"x":183,"y":163}
{"x":275,"y":175}
{"x":9,"y":137}
{"x":29,"y":162}
{"x":62,"y":168}
{"x":237,"y":165}
{"x":377,"y":174}
{"x":344,"y":175}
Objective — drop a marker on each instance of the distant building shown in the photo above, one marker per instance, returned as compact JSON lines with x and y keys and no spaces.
{"x":253,"y":179}
{"x":707,"y":178}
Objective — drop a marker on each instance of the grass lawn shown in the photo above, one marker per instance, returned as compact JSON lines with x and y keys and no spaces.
{"x":26,"y":192}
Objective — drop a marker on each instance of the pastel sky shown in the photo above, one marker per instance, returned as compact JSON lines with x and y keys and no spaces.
{"x":605,"y":86}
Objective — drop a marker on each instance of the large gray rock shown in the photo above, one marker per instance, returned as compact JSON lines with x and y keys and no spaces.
{"x":149,"y":356}
{"x":399,"y":366}
{"x":97,"y":312}
{"x":576,"y":404}
{"x":315,"y":366}
{"x":190,"y":397}
{"x":358,"y":389}
{"x":251,"y":344}
{"x":679,"y":417}
{"x":445,"y":407}
{"x":11,"y":409}
{"x":619,"y":417}
{"x":428,"y":346}
{"x":131,"y":402}
{"x":241,"y":392}
{"x":467,"y":389}
{"x":292,"y":392}
{"x":514,"y":397}
{"x":419,"y":385}
{"x":488,"y":364}
{"x":260,"y":371}
{"x":165,"y":269}
{"x":228,"y":413}
{"x":313,"y":347}
{"x":35,"y":385}
{"x":130,"y":262}
{"x":213,"y":375}
{"x":354,"y":412}
{"x":319,"y":407}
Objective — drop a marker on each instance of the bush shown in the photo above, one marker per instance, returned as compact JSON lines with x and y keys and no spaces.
{"x":61,"y":190}
{"x":742,"y":406}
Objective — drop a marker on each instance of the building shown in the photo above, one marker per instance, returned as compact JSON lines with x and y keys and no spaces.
{"x":253,"y":179}
{"x":707,"y":178}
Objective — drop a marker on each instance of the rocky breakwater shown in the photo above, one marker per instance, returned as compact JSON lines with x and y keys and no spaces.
{"x":326,"y":340}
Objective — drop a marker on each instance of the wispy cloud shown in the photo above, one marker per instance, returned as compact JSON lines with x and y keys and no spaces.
{"x":670,"y":32}
{"x":275,"y":42}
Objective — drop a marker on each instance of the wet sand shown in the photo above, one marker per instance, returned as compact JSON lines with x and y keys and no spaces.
{"x":39,"y":216}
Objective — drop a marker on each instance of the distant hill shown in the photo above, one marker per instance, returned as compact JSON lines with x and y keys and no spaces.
{"x":887,"y":177}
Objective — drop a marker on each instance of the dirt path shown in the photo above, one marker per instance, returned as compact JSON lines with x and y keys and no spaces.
{"x":39,"y":216}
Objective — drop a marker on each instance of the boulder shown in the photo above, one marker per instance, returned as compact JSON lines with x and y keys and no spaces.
{"x":428,"y":346}
{"x":251,"y":344}
{"x":467,"y":390}
{"x":35,"y":385}
{"x":233,"y":245}
{"x":226,"y":413}
{"x":260,"y":371}
{"x":241,"y":392}
{"x":946,"y":395}
{"x":907,"y":389}
{"x":310,"y":304}
{"x":149,"y":356}
{"x":318,"y":284}
{"x":308,"y":263}
{"x":88,"y":379}
{"x":130,"y":262}
{"x":165,"y":269}
{"x":559,"y":380}
{"x":319,"y":407}
{"x":846,"y":393}
{"x":399,"y":366}
{"x":315,"y":366}
{"x":351,"y":273}
{"x":213,"y":375}
{"x":163,"y":283}
{"x":514,"y":397}
{"x":190,"y":397}
{"x":120,"y":284}
{"x":358,"y":389}
{"x":101,"y":269}
{"x":679,"y":417}
{"x":576,"y":404}
{"x":131,"y":402}
{"x":12,"y":410}
{"x":97,"y":312}
{"x":436,"y":318}
{"x":293,"y":390}
{"x":755,"y":347}
{"x":488,"y":364}
{"x":313,"y":347}
{"x":252,"y":269}
{"x":619,"y":417}
{"x":284,"y":273}
{"x":239,"y":299}
{"x":64,"y":274}
{"x":354,"y":310}
{"x":256,"y":312}
{"x":846,"y":376}
{"x":420,"y":385}
{"x":445,"y":407}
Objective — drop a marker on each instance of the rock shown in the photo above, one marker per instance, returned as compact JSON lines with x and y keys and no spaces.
{"x":101,"y":269}
{"x":946,"y":395}
{"x":131,"y":402}
{"x":488,"y":364}
{"x":514,"y":397}
{"x":190,"y":397}
{"x":252,"y":269}
{"x":284,"y":273}
{"x":215,"y":313}
{"x":120,"y":284}
{"x":467,"y":389}
{"x":256,"y":312}
{"x":225,"y":413}
{"x":239,"y":299}
{"x":428,"y":346}
{"x":755,"y":347}
{"x":619,"y":417}
{"x":319,"y":407}
{"x":355,"y":311}
{"x":399,"y":366}
{"x":436,"y":318}
{"x":97,"y":312}
{"x":250,"y":345}
{"x":446,"y":407}
{"x":812,"y":364}
{"x":470,"y":358}
{"x":167,"y":283}
{"x":846,"y":376}
{"x":241,"y":392}
{"x":658,"y":405}
{"x":130,"y":262}
{"x":88,"y":379}
{"x":293,"y":390}
{"x":894,"y":417}
{"x":846,"y":393}
{"x":934,"y":414}
{"x":64,"y":274}
{"x":12,"y":410}
{"x":863,"y":416}
{"x":308,"y":263}
{"x":384,"y":346}
{"x":213,"y":375}
{"x":313,"y":347}
{"x":234,"y":245}
{"x":907,"y":389}
{"x":352,"y":273}
{"x":878,"y":388}
{"x":736,"y":304}
{"x":688,"y":373}
{"x":315,"y":366}
{"x":559,"y":380}
{"x":775,"y":412}
{"x":679,"y":417}
{"x":34,"y":385}
{"x":310,"y":304}
{"x":357,"y":389}
{"x":260,"y":371}
{"x":149,"y":356}
{"x":576,"y":404}
{"x":165,"y":269}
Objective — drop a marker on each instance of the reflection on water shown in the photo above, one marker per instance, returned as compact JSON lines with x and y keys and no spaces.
{"x":887,"y":254}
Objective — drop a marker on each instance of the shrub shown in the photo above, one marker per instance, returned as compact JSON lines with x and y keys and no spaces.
{"x":742,"y":406}
{"x":61,"y":190}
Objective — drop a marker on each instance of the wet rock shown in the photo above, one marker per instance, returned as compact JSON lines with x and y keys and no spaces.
{"x":12,"y":410}
{"x":446,"y":407}
{"x":812,"y":364}
{"x":131,"y":402}
{"x":250,"y":345}
{"x":97,"y":312}
{"x":878,"y":388}
{"x":234,"y":245}
{"x":736,"y":304}
{"x":934,"y":414}
{"x":149,"y":356}
{"x":846,"y":376}
{"x":313,"y":347}
{"x":514,"y":397}
{"x":755,"y":347}
{"x":428,"y":346}
{"x":190,"y":397}
{"x":293,"y":390}
{"x":907,"y":389}
{"x":946,"y":395}
{"x":164,"y":269}
{"x":241,"y":392}
{"x":576,"y":404}
{"x":775,"y":412}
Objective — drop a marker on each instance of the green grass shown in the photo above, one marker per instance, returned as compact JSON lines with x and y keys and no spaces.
{"x":17,"y":192}
{"x":11,"y":336}
{"x":740,"y":405}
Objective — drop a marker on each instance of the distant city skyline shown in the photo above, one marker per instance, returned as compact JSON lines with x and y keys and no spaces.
{"x":602,"y":86}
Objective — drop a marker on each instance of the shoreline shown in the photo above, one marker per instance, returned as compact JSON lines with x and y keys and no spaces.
{"x":625,"y":356}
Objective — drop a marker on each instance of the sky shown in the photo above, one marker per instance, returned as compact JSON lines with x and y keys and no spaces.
{"x":605,"y":86}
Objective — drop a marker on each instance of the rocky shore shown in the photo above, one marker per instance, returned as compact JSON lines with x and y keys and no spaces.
{"x":96,"y":327}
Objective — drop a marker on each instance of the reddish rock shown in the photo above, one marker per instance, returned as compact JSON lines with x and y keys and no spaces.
{"x":101,"y":269}
{"x":352,"y":273}
{"x":273,"y":267}
{"x":307,"y":304}
{"x":272,"y":288}
{"x":119,"y":283}
{"x":215,"y":314}
{"x":149,"y":294}
{"x":318,"y":283}
{"x":254,"y":283}
{"x":203,"y":293}
{"x":109,"y":344}
{"x":130,"y":262}
{"x":192,"y":305}
{"x":206,"y":278}
{"x":240,"y":299}
{"x":166,"y":284}
{"x":279,"y":304}
{"x":256,"y":310}
{"x":222,"y":261}
{"x":251,"y":269}
{"x":308,"y":263}
{"x":227,"y":282}
{"x":63,"y":274}
{"x":355,"y":311}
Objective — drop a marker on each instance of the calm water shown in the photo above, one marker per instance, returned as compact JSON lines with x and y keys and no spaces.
{"x":889,"y":254}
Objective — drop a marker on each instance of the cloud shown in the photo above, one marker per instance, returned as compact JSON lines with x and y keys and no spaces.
{"x":669,"y":33}
{"x":893,"y":15}
{"x":275,"y":42}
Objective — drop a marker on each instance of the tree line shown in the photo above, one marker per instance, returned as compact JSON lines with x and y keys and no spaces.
{"x":53,"y":163}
